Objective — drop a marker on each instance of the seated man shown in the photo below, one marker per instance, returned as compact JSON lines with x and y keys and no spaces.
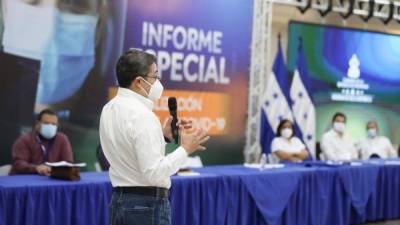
{"x":42,"y":144}
{"x":286,"y":146}
{"x":376,"y":145}
{"x":336,"y":145}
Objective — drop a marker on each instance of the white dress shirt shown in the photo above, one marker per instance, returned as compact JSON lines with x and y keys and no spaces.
{"x":338,"y":148}
{"x":379,"y":145}
{"x":294,"y":145}
{"x":133,"y":142}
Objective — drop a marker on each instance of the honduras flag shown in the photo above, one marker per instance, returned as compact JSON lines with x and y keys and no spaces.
{"x":275,"y":106}
{"x":303,"y":106}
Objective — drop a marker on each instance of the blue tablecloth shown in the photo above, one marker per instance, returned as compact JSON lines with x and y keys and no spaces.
{"x":39,"y":200}
{"x":298,"y":194}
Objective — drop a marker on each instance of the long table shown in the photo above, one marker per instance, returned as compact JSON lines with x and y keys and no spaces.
{"x":298,"y":194}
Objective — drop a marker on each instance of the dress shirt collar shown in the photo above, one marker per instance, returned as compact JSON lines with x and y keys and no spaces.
{"x":39,"y":138}
{"x":125,"y":92}
{"x":373,"y":138}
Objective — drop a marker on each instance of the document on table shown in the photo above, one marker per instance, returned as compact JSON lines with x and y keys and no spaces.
{"x":65,"y":164}
{"x":266,"y":166}
{"x":188,"y":173}
{"x":392,"y":162}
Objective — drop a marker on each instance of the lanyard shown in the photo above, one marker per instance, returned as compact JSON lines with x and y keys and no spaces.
{"x":44,"y":149}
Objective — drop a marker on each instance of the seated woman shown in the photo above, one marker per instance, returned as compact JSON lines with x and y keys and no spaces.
{"x":286,"y":146}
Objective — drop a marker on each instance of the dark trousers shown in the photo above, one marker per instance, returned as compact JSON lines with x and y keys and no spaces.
{"x":132,"y":209}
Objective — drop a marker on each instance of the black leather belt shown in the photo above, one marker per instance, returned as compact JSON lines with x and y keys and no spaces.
{"x":147,"y":191}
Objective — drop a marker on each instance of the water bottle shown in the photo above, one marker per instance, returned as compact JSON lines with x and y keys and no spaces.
{"x":263,"y":161}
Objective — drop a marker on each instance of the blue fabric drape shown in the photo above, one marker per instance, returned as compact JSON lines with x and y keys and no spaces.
{"x":38,"y":200}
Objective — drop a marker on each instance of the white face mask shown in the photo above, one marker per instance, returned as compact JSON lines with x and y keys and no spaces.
{"x":48,"y":131}
{"x":156,"y":90}
{"x":287,"y":133}
{"x":339,"y":127}
{"x":372,"y":133}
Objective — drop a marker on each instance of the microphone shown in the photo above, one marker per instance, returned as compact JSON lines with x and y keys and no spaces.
{"x":173,"y":106}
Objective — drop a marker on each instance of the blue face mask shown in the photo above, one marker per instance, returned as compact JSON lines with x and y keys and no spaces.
{"x":48,"y":131}
{"x":68,"y":57}
{"x":372,"y":133}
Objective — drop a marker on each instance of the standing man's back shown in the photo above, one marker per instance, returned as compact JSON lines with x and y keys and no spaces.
{"x":133,"y":142}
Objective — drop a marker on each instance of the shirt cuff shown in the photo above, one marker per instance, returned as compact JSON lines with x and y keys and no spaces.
{"x":179,"y":156}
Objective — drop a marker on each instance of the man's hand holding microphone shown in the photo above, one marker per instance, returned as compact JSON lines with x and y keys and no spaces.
{"x":192,"y":138}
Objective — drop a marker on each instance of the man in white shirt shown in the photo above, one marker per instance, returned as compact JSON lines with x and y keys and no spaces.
{"x":336,"y":145}
{"x":375,"y":145}
{"x":133,"y":142}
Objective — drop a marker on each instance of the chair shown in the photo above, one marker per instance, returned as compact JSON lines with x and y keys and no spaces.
{"x":318,"y":151}
{"x":374,"y":156}
{"x":101,"y":158}
{"x":398,"y":151}
{"x":5,"y":170}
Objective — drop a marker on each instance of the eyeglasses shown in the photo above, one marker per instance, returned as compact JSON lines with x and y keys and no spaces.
{"x":155,"y":77}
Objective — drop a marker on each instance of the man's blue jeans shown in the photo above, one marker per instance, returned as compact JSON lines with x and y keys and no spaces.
{"x":132,"y":209}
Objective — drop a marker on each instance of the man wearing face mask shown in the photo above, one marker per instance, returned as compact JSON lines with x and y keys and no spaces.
{"x":286,"y":146}
{"x":336,"y":145}
{"x":375,"y":145}
{"x":133,"y":142}
{"x":42,"y":144}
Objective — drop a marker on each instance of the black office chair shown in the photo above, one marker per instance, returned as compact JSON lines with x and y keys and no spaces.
{"x":101,"y":158}
{"x":374,"y":156}
{"x":318,"y":151}
{"x":398,"y":152}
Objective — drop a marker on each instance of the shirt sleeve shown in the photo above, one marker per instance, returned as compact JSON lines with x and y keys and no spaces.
{"x":391,"y":151}
{"x":149,"y":147}
{"x":327,"y":148}
{"x":20,"y":157}
{"x":299,"y":144}
{"x":353,"y":149}
{"x":363,"y":149}
{"x":276,"y":145}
